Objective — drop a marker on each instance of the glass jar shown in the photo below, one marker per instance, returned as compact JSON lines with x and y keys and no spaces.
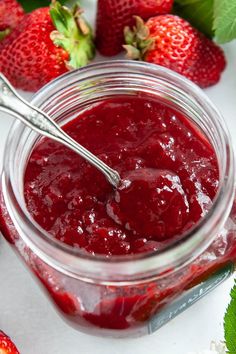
{"x":135,"y":294}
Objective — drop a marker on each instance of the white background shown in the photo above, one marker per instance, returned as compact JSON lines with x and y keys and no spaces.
{"x":28,"y":317}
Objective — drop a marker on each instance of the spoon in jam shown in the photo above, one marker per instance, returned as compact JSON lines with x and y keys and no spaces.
{"x":39,"y":121}
{"x":144,"y":200}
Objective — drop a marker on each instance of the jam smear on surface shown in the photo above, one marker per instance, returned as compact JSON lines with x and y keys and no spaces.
{"x":169,"y":177}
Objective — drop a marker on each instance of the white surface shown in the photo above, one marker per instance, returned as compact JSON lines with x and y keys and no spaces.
{"x":27,"y":316}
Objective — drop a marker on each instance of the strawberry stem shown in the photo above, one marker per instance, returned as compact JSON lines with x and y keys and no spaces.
{"x":73,"y":34}
{"x":137,"y":40}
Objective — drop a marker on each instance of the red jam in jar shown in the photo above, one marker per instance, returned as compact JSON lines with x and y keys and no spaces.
{"x":169,"y":177}
{"x":123,"y":262}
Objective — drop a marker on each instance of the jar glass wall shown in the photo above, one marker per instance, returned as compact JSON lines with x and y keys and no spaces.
{"x":133,"y":294}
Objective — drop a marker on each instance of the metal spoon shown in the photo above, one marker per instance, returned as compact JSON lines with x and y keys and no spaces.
{"x":12,"y":103}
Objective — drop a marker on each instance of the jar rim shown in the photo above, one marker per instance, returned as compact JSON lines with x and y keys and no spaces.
{"x":74,"y":261}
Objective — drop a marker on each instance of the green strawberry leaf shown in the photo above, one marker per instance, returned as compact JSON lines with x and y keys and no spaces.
{"x":31,"y":5}
{"x":198,"y":12}
{"x":230,"y":322}
{"x":225,"y":20}
{"x":73,"y":34}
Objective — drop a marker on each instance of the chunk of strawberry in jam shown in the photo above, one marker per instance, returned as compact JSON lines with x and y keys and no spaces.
{"x":150,"y":202}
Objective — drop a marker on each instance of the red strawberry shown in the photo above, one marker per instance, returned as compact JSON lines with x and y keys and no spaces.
{"x":11,"y":13}
{"x":172,"y":42}
{"x":6,"y":345}
{"x":114,"y":15}
{"x":46,"y":44}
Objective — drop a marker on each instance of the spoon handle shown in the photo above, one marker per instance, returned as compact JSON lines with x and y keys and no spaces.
{"x":12,"y":103}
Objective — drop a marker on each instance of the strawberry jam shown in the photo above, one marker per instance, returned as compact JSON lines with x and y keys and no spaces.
{"x":169,"y":177}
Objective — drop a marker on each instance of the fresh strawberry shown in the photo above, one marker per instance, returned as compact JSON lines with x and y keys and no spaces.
{"x":114,"y":15}
{"x":172,"y":42}
{"x":11,"y":13}
{"x":6,"y":345}
{"x":47,"y":43}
